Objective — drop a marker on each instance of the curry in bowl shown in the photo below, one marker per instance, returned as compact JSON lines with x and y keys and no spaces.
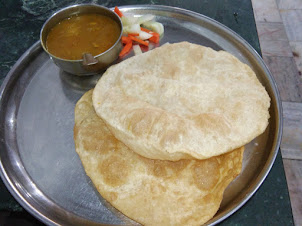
{"x":84,"y":33}
{"x":81,"y":42}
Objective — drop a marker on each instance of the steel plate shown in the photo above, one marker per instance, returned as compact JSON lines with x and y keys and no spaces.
{"x":39,"y":164}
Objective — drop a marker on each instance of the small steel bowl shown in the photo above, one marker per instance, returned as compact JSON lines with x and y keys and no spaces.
{"x":91,"y":64}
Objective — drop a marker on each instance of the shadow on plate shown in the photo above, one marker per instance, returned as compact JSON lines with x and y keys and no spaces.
{"x":79,"y":83}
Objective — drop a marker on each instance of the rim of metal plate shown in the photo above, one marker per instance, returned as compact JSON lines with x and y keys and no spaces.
{"x":13,"y":182}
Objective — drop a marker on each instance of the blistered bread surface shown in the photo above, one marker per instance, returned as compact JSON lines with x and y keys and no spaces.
{"x":182,"y":101}
{"x":151,"y":192}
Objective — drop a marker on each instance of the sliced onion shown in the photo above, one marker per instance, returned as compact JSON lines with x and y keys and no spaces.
{"x":128,"y":20}
{"x":154,"y":26}
{"x":134,"y":28}
{"x":126,"y":29}
{"x":144,"y":35}
{"x":137,"y":50}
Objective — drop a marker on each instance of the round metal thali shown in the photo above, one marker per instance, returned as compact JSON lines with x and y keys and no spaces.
{"x":39,"y":164}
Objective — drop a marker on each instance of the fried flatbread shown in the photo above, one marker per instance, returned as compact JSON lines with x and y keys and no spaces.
{"x":151,"y":192}
{"x":182,"y":101}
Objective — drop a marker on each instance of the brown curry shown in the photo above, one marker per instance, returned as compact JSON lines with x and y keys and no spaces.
{"x":84,"y":33}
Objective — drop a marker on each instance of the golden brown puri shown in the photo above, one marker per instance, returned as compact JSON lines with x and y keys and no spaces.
{"x":182,"y":101}
{"x":151,"y":192}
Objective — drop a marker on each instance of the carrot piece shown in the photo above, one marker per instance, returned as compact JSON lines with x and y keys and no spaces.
{"x":125,"y":39}
{"x":126,"y":49}
{"x":139,"y":41}
{"x":146,"y":30}
{"x":155,"y":34}
{"x":118,"y":12}
{"x":154,"y":39}
{"x":149,"y":31}
{"x":133,"y":34}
